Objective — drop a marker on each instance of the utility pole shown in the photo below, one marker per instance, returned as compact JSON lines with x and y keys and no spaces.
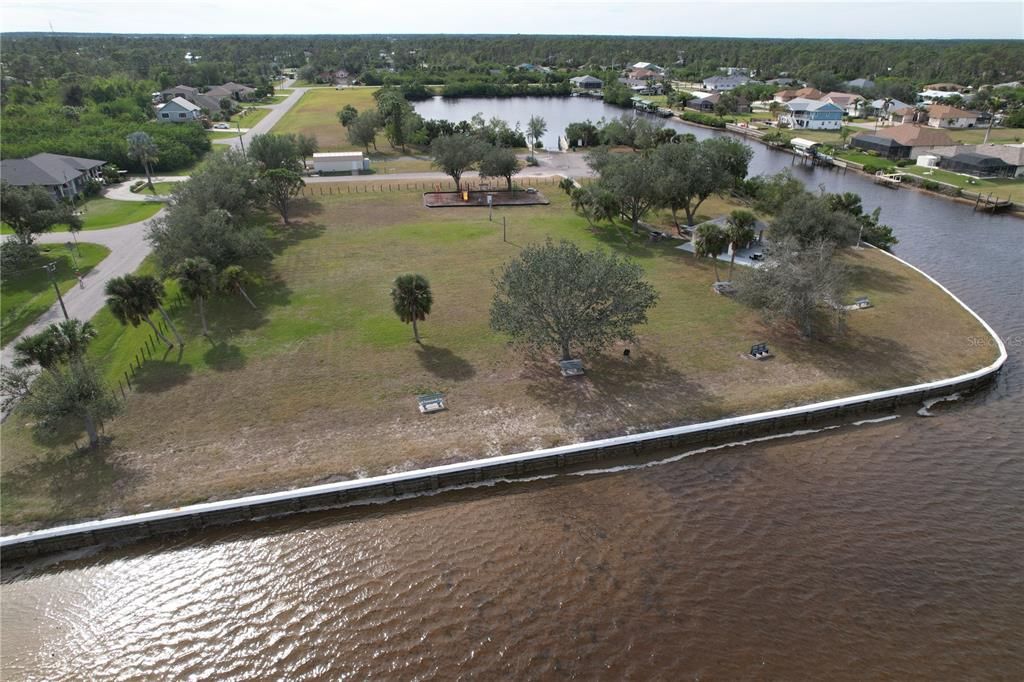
{"x":241,"y":141}
{"x":50,"y":269}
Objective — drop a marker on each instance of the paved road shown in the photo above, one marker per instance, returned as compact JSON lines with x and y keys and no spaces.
{"x":128,"y":248}
{"x":277,"y":112}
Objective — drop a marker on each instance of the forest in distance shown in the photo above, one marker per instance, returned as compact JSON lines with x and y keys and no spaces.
{"x":433,"y":59}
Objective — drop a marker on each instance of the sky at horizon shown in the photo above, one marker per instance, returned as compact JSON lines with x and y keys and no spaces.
{"x":938,"y":19}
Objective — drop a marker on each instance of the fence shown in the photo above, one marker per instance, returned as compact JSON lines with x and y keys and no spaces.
{"x":473,"y":184}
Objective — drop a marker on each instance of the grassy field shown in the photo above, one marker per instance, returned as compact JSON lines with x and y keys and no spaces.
{"x":319,"y":384}
{"x":316,"y":114}
{"x":997,"y":136}
{"x":217,"y":149}
{"x":28,"y":293}
{"x":100,"y":213}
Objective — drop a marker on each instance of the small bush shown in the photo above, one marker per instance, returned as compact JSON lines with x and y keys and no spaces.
{"x":931,"y":185}
{"x":703,"y":119}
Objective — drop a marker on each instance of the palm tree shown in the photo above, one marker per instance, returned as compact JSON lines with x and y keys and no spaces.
{"x":775,"y":108}
{"x":131,"y":299}
{"x":153,"y":291}
{"x":535,"y":130}
{"x":709,"y":242}
{"x":739,"y":230}
{"x":994,"y":104}
{"x":73,"y":337}
{"x":412,"y":299}
{"x":41,"y":349}
{"x":198,"y":279}
{"x":142,"y":148}
{"x":234,"y":279}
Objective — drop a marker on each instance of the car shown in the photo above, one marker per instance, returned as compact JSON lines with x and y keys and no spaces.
{"x":221,"y":126}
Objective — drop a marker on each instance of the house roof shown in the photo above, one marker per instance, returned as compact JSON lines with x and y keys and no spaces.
{"x":643,"y":73}
{"x":218,"y":91}
{"x":187,"y":89}
{"x":842,"y":99}
{"x":860,"y":83}
{"x":946,"y":111}
{"x":805,"y":93}
{"x":183,"y":103}
{"x":876,"y":140}
{"x":727,"y":80}
{"x":803,"y":104}
{"x":912,"y":135}
{"x":585,"y":79}
{"x":231,"y":86}
{"x":1012,"y":154}
{"x":978,"y":160}
{"x":894,"y":105}
{"x":45,"y":169}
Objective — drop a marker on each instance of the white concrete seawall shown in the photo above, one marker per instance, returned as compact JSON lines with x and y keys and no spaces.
{"x":319,"y":497}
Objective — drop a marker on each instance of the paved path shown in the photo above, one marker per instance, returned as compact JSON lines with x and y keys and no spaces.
{"x":123,"y":191}
{"x":128,"y":248}
{"x":277,"y":112}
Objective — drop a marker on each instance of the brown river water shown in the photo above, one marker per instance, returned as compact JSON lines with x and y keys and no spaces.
{"x":887,"y":550}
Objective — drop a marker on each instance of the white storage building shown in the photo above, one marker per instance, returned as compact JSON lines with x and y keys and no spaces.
{"x":340,"y":162}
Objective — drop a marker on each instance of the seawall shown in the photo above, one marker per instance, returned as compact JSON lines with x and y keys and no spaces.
{"x":31,"y":544}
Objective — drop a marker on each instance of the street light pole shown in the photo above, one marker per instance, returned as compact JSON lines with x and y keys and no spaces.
{"x":50,"y":269}
{"x":241,"y":140}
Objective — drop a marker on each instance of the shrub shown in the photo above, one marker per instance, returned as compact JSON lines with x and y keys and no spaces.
{"x":931,"y":185}
{"x":14,"y":254}
{"x":703,"y":119}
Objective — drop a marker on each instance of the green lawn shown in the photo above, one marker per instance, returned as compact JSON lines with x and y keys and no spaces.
{"x":28,"y":293}
{"x":222,"y":134}
{"x":997,"y":136}
{"x":100,"y":213}
{"x":307,"y":387}
{"x":250,"y":117}
{"x":162,"y":189}
{"x":217,"y":149}
{"x":1003,"y":188}
{"x":317,"y":114}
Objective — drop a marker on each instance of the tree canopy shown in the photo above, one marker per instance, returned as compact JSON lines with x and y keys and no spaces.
{"x":555,"y":297}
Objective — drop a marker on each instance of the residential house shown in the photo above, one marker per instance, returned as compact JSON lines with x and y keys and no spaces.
{"x":64,"y":177}
{"x":928,"y":96}
{"x":906,"y":141}
{"x":944,"y":116}
{"x":811,"y":114}
{"x":851,"y":103}
{"x":1009,"y":84}
{"x":784,"y":96}
{"x":586,"y":82}
{"x":183,"y":91}
{"x":1012,"y":154}
{"x":878,"y":107}
{"x":243,"y":93}
{"x":724,"y":83}
{"x":905,"y":114}
{"x":785,"y":81}
{"x":947,"y":87}
{"x":860,"y":84}
{"x":707,"y":104}
{"x":648,"y":66}
{"x":978,"y":165}
{"x":643,"y":74}
{"x":178,"y":110}
{"x":643,"y":87}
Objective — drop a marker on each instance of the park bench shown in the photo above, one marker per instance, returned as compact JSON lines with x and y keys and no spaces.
{"x":759,"y":351}
{"x":571,"y":368}
{"x":431,"y":402}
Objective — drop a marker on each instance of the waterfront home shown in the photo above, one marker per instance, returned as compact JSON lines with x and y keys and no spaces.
{"x":906,"y":141}
{"x":706,"y":103}
{"x":64,"y":177}
{"x":944,"y":116}
{"x":977,"y":165}
{"x":1012,"y":154}
{"x":178,"y":110}
{"x":809,"y":114}
{"x":724,"y":83}
{"x":784,"y":96}
{"x":586,"y":82}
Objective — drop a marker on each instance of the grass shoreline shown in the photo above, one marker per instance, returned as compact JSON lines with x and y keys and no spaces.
{"x":308,"y":388}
